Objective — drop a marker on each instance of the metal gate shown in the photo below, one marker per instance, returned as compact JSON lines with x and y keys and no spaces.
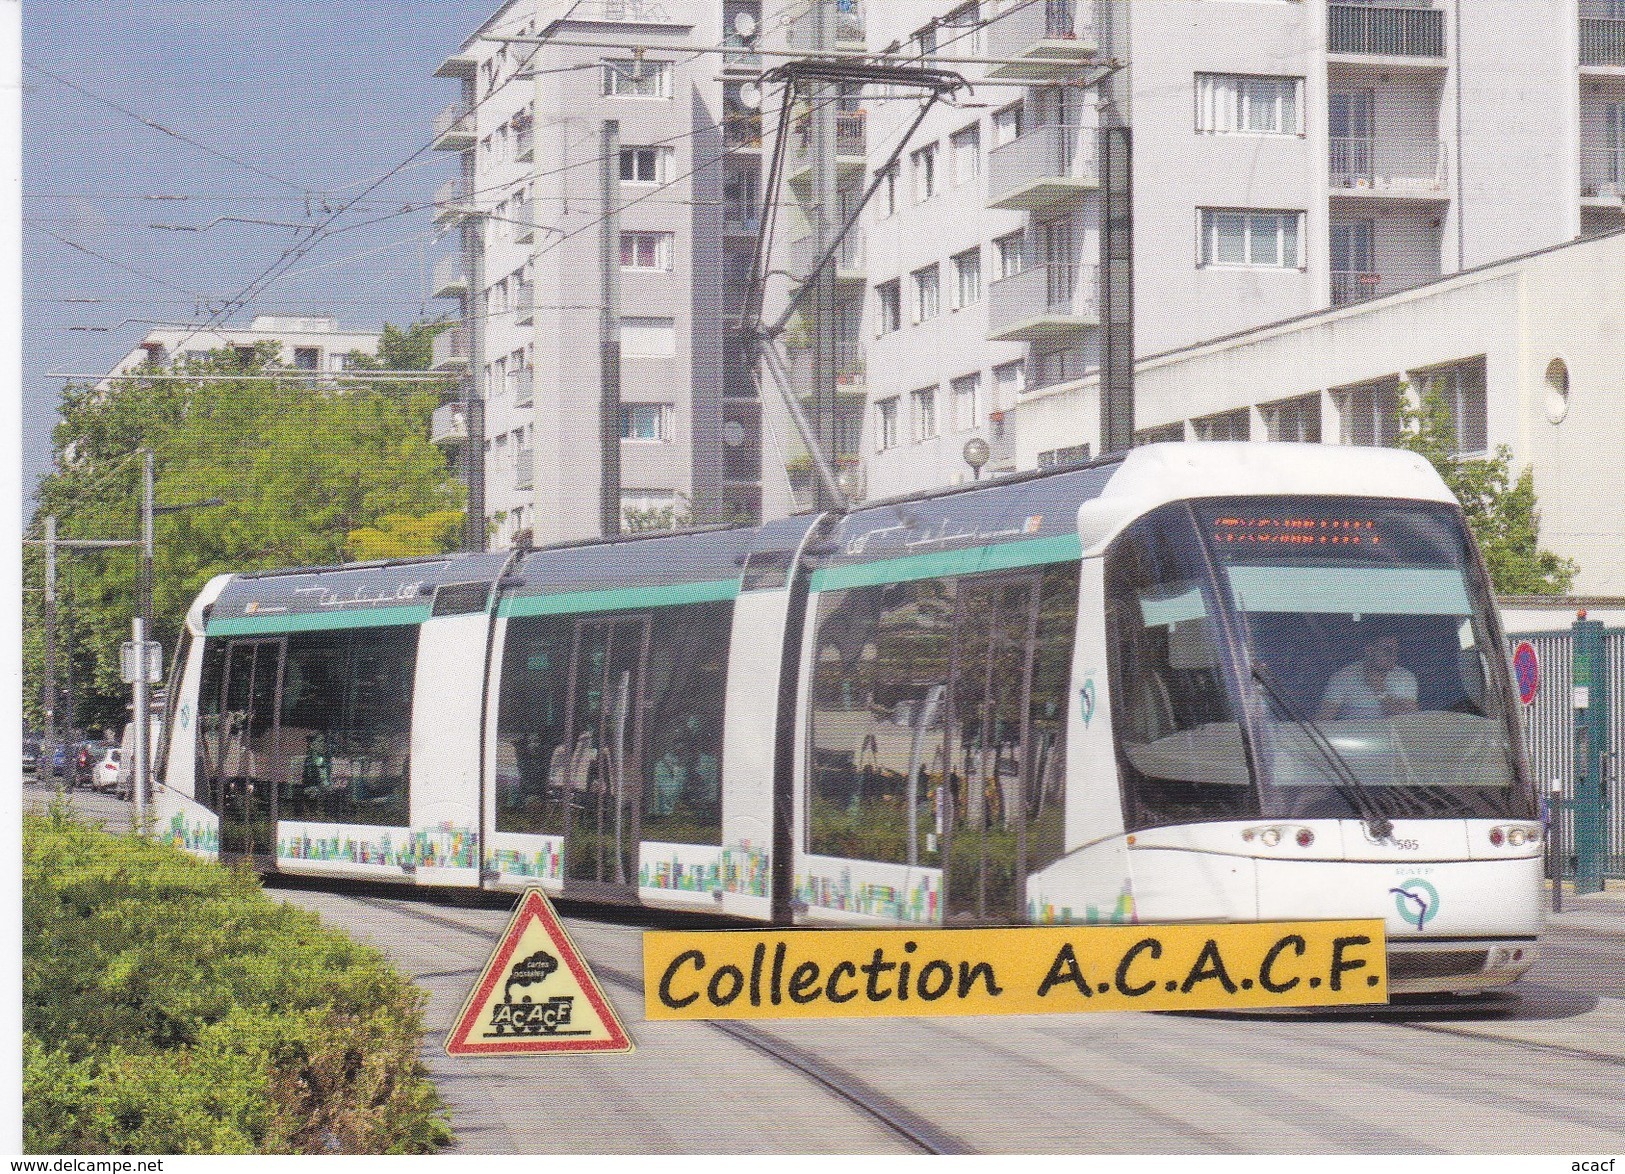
{"x":1595,"y":815}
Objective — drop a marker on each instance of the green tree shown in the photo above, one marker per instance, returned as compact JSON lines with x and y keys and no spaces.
{"x":1501,"y":510}
{"x":309,"y":475}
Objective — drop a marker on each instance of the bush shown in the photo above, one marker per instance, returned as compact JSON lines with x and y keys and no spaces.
{"x":169,"y":1006}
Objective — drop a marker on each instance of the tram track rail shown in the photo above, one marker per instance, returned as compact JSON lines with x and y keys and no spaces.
{"x":916,"y":1131}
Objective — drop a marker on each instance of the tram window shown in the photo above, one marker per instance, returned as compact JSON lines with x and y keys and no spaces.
{"x":683,"y":689}
{"x":1052,"y":679}
{"x":210,"y":728}
{"x":878,"y":694}
{"x":1180,"y":750}
{"x":346,"y":725}
{"x":530,"y":723}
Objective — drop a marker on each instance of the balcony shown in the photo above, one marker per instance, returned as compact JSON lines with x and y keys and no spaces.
{"x":849,"y":26}
{"x":848,"y":261}
{"x":1047,"y":39}
{"x":524,"y":143}
{"x":1602,"y":174}
{"x":742,"y":132}
{"x":1370,"y":30}
{"x":460,"y":64}
{"x":451,"y":350}
{"x":849,"y":368}
{"x":450,"y":278}
{"x":1044,"y":168}
{"x":523,"y":217}
{"x":450,"y":202}
{"x":448,"y":425}
{"x":1350,"y":286}
{"x":1042,"y":303}
{"x":740,"y":219}
{"x":524,"y":303}
{"x":738,"y":56}
{"x":524,"y":469}
{"x":1602,"y":35}
{"x":522,"y":387}
{"x":454,"y":128}
{"x":1409,"y":169}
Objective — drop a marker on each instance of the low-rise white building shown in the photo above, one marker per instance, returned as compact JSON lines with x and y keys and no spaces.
{"x":308,"y":343}
{"x":1526,"y":350}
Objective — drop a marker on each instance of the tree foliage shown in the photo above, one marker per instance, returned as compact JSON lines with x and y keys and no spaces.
{"x":1501,"y":510}
{"x":308,"y":474}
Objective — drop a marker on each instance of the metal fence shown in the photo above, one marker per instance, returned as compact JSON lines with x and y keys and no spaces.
{"x":1549,"y":735}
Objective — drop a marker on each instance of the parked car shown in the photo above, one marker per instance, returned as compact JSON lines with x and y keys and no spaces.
{"x":105,"y":771}
{"x":85,"y":757}
{"x":60,"y":758}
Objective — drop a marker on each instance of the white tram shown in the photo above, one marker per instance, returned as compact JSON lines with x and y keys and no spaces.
{"x":1199,"y":682}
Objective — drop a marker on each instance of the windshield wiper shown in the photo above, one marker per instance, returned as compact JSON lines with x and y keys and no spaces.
{"x":1377,"y":826}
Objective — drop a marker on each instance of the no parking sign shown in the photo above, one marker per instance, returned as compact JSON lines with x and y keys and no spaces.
{"x":1526,"y":670}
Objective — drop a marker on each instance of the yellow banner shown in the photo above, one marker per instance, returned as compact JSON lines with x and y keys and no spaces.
{"x":840,"y":973}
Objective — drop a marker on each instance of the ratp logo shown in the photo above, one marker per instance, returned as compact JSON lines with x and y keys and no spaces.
{"x":1416,"y":901}
{"x":1086,"y":700}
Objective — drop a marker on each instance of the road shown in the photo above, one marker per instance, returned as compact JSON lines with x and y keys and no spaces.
{"x":1537,"y":1072}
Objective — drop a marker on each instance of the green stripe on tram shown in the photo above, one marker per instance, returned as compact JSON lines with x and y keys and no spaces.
{"x":279,"y":622}
{"x":1002,"y":556}
{"x":619,"y":598}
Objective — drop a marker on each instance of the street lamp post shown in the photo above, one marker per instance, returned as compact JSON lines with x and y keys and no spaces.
{"x":976,"y":454}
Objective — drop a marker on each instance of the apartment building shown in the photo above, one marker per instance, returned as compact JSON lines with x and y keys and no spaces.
{"x":1289,"y":156}
{"x":307,"y":344}
{"x":526,"y":212}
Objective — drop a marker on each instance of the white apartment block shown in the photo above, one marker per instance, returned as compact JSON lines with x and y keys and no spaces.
{"x":527,"y":206}
{"x":1290,"y":156}
{"x":308,"y":344}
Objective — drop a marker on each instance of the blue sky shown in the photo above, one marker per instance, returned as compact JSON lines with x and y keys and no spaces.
{"x":322,"y":97}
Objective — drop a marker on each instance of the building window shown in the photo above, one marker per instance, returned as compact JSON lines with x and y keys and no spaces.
{"x":1060,"y":366}
{"x":646,"y":164}
{"x":926,"y":286}
{"x":637,"y":79}
{"x":1060,"y":458}
{"x":922,"y":408}
{"x":925,"y":41}
{"x":649,"y":337}
{"x":307,"y":358}
{"x":1162,"y":434}
{"x":1012,"y":253}
{"x":1007,"y":125}
{"x":1292,"y":419}
{"x":1253,"y":240}
{"x":964,"y":36}
{"x":888,"y":307}
{"x":1369,"y":412}
{"x":1231,"y":104}
{"x":1463,"y":387}
{"x":924,"y":164}
{"x":646,"y":250}
{"x":967,"y":152}
{"x":967,"y":393}
{"x":886,"y":424}
{"x":646,"y":422}
{"x":1235,"y":425}
{"x":967,"y":278}
{"x":887,"y":205}
{"x":1011,"y":380}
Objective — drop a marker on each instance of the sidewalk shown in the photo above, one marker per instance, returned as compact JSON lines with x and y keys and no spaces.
{"x":1602,"y":913}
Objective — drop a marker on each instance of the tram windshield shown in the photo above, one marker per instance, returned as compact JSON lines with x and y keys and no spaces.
{"x":1310,"y":657}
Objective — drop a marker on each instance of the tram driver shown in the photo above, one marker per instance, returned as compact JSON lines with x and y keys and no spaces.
{"x":1373,"y":686}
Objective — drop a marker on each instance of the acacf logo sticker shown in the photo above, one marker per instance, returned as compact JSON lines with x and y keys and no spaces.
{"x":1417,"y":902}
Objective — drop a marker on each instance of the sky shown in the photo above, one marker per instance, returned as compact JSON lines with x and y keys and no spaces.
{"x":313,"y":100}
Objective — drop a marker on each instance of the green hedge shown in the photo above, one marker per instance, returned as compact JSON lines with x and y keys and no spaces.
{"x":169,"y":1006}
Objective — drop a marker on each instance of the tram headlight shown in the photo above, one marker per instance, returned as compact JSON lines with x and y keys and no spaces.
{"x":1270,"y":837}
{"x":1516,"y":837}
{"x":1497,"y":837}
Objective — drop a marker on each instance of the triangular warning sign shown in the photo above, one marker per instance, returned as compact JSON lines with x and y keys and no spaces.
{"x":536,"y":995}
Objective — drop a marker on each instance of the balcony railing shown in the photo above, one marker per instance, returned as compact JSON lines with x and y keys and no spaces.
{"x":1602,"y":41}
{"x":1047,"y":34}
{"x":1384,"y":30}
{"x":448,"y":425}
{"x":450,"y":278}
{"x":849,"y":135}
{"x":741,"y":219}
{"x":742,"y":130}
{"x":848,"y":18}
{"x":1043,"y":301}
{"x":450,"y":201}
{"x":1349,"y":286}
{"x":524,"y":143}
{"x":523,"y":223}
{"x":524,"y":469}
{"x":524,"y":302}
{"x":1602,"y":172}
{"x":454,"y":128}
{"x":849,"y":366}
{"x":451,"y":349}
{"x":1043,"y":167}
{"x":1388,"y":166}
{"x":848,"y":257}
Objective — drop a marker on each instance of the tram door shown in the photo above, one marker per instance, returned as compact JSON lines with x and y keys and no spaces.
{"x":605,"y":772}
{"x":990,"y":749}
{"x":243,"y":788}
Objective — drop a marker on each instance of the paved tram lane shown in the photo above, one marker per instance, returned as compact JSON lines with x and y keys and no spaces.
{"x":1534,"y":1073}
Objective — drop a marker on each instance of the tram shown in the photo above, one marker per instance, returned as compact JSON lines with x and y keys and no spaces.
{"x":1190,"y":683}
